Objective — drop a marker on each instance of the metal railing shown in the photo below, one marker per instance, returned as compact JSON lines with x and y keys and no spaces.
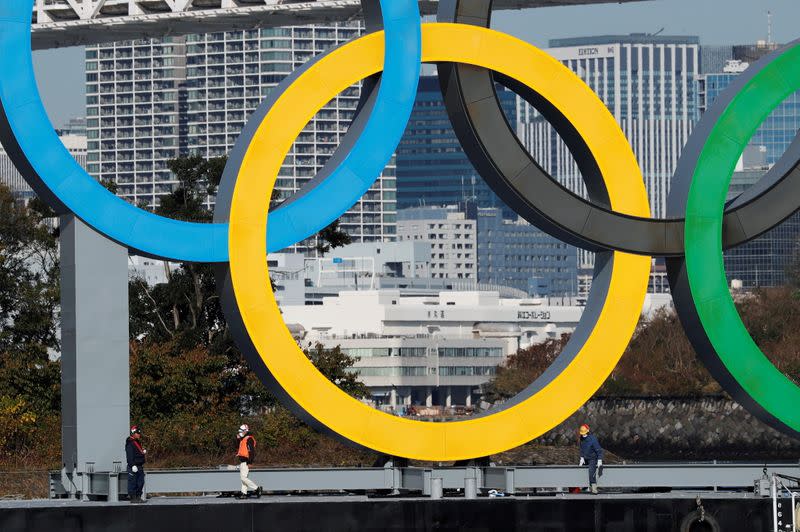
{"x":780,"y":492}
{"x":81,"y":22}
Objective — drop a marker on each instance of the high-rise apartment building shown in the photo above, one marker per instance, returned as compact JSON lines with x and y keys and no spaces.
{"x":150,"y":101}
{"x":432,"y":168}
{"x":133,"y":113}
{"x":649,"y":84}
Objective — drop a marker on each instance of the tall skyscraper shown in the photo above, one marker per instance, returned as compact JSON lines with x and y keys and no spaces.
{"x":649,"y":84}
{"x":432,"y":168}
{"x":153,"y":100}
{"x":133,"y":113}
{"x":764,"y":261}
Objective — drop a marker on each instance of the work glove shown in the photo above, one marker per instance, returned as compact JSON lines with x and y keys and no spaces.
{"x":599,"y":468}
{"x":599,"y":463}
{"x":135,"y":469}
{"x":582,"y":462}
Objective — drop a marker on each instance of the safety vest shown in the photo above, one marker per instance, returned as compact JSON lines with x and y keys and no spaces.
{"x":244,"y":452}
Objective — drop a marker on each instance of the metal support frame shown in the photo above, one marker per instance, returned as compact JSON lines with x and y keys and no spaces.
{"x":81,"y":22}
{"x":779,"y":492}
{"x":433,"y":482}
{"x":95,"y":401}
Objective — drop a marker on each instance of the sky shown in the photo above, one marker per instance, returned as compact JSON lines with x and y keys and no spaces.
{"x":60,"y":73}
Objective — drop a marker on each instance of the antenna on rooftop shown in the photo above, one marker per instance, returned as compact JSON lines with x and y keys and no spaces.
{"x":769,"y":28}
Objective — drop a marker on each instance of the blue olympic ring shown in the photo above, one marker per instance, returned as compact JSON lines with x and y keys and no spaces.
{"x":31,"y":142}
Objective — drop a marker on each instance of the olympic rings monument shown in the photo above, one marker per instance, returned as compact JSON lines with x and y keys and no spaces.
{"x":99,"y":229}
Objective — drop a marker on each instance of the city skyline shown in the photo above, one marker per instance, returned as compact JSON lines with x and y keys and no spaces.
{"x":61,"y":75}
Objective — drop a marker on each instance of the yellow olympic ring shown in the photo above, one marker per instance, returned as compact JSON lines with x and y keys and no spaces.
{"x":259,"y":310}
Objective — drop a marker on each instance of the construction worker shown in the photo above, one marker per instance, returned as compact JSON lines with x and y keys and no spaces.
{"x":246,"y":454}
{"x":591,"y":454}
{"x":135,"y":456}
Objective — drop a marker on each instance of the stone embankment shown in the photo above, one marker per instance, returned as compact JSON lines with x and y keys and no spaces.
{"x":677,"y":429}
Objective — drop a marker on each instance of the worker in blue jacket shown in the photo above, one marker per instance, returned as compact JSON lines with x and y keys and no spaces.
{"x":591,"y":454}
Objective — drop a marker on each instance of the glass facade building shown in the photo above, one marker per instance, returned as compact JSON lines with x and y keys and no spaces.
{"x":764,"y":261}
{"x":150,"y":101}
{"x":432,"y":169}
{"x":517,"y":254}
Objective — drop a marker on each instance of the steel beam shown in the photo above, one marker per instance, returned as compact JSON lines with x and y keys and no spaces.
{"x":700,"y":477}
{"x":279,"y":480}
{"x":673,"y":476}
{"x":63,"y":23}
{"x":95,"y":402}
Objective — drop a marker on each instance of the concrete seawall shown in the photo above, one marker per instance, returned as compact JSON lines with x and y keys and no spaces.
{"x":677,"y":428}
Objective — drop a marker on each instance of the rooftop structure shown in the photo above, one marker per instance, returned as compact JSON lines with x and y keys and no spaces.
{"x":59,"y":23}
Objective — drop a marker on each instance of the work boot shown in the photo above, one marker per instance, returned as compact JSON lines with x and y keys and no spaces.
{"x":259,"y":491}
{"x":133,"y":499}
{"x":593,"y":488}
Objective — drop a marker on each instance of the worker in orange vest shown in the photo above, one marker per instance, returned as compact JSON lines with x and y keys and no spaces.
{"x":246,"y":454}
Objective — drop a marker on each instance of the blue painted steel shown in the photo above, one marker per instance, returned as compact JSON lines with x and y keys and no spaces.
{"x":53,"y":173}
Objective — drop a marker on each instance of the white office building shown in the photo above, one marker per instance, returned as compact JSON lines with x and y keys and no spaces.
{"x":150,"y":101}
{"x":436,"y":349}
{"x":401,"y":265}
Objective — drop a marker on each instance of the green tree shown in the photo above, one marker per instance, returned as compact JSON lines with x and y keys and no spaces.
{"x":337,"y":366}
{"x":331,"y":237}
{"x":190,"y":382}
{"x":187,"y":307}
{"x":29,"y":314}
{"x":522,"y":368}
{"x":660,"y":360}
